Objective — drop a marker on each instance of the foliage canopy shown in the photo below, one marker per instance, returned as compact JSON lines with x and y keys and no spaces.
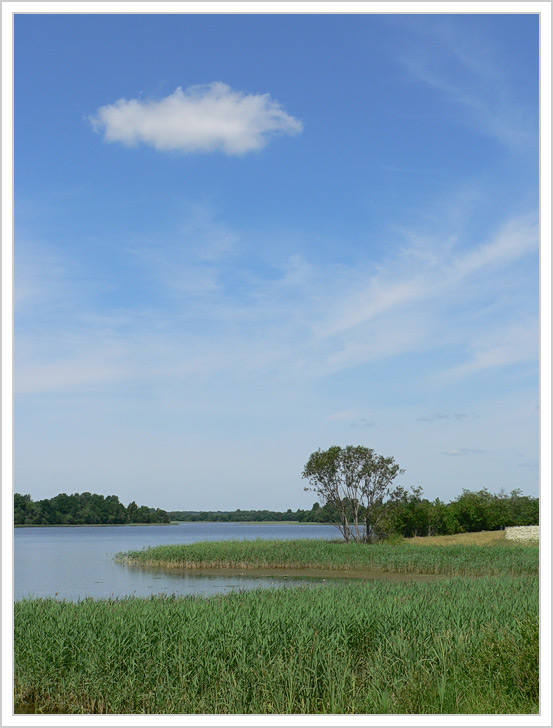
{"x":355,"y":481}
{"x":80,"y":509}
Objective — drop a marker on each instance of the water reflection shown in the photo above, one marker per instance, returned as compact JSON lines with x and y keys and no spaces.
{"x":151,"y":579}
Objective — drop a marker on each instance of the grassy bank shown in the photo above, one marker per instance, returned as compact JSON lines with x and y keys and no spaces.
{"x":478,"y":538}
{"x":314,"y":554}
{"x":451,"y":646}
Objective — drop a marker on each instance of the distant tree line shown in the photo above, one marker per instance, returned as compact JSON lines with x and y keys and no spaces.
{"x":317,"y":514}
{"x":81,"y":509}
{"x":406,"y":513}
{"x":403,"y":512}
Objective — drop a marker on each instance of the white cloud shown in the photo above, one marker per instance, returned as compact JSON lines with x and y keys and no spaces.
{"x":202,"y":118}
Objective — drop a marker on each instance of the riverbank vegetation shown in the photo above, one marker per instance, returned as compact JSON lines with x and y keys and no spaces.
{"x":82,"y":509}
{"x":460,"y":646}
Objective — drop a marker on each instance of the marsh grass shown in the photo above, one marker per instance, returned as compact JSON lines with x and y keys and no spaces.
{"x":450,"y":646}
{"x":314,"y":554}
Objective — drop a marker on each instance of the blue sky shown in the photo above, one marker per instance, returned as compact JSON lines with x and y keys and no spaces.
{"x":240,"y":238}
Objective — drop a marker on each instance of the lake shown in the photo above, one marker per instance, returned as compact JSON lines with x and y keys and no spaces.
{"x":77,"y":562}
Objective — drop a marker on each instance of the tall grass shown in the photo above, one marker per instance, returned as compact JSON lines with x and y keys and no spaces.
{"x":449,"y":646}
{"x":318,"y":554}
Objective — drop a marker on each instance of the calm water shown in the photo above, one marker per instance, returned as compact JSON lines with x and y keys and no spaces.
{"x":74,"y":563}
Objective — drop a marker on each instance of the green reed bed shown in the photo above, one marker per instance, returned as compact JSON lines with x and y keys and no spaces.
{"x":449,"y":646}
{"x":318,"y":554}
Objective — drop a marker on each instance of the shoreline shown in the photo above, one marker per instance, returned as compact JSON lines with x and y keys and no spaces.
{"x":172,"y":523}
{"x":291,"y":572}
{"x":86,"y":525}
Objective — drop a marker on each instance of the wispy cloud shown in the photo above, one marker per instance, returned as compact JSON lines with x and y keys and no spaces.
{"x":212,"y":305}
{"x":517,"y":237}
{"x":501,"y":347}
{"x":463,"y":451}
{"x":464,"y":69}
{"x":440,"y":416}
{"x":42,"y":277}
{"x":344,"y":416}
{"x":202,"y":118}
{"x":530,"y":465}
{"x":419,"y":295}
{"x":352,"y":418}
{"x":363,"y":422}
